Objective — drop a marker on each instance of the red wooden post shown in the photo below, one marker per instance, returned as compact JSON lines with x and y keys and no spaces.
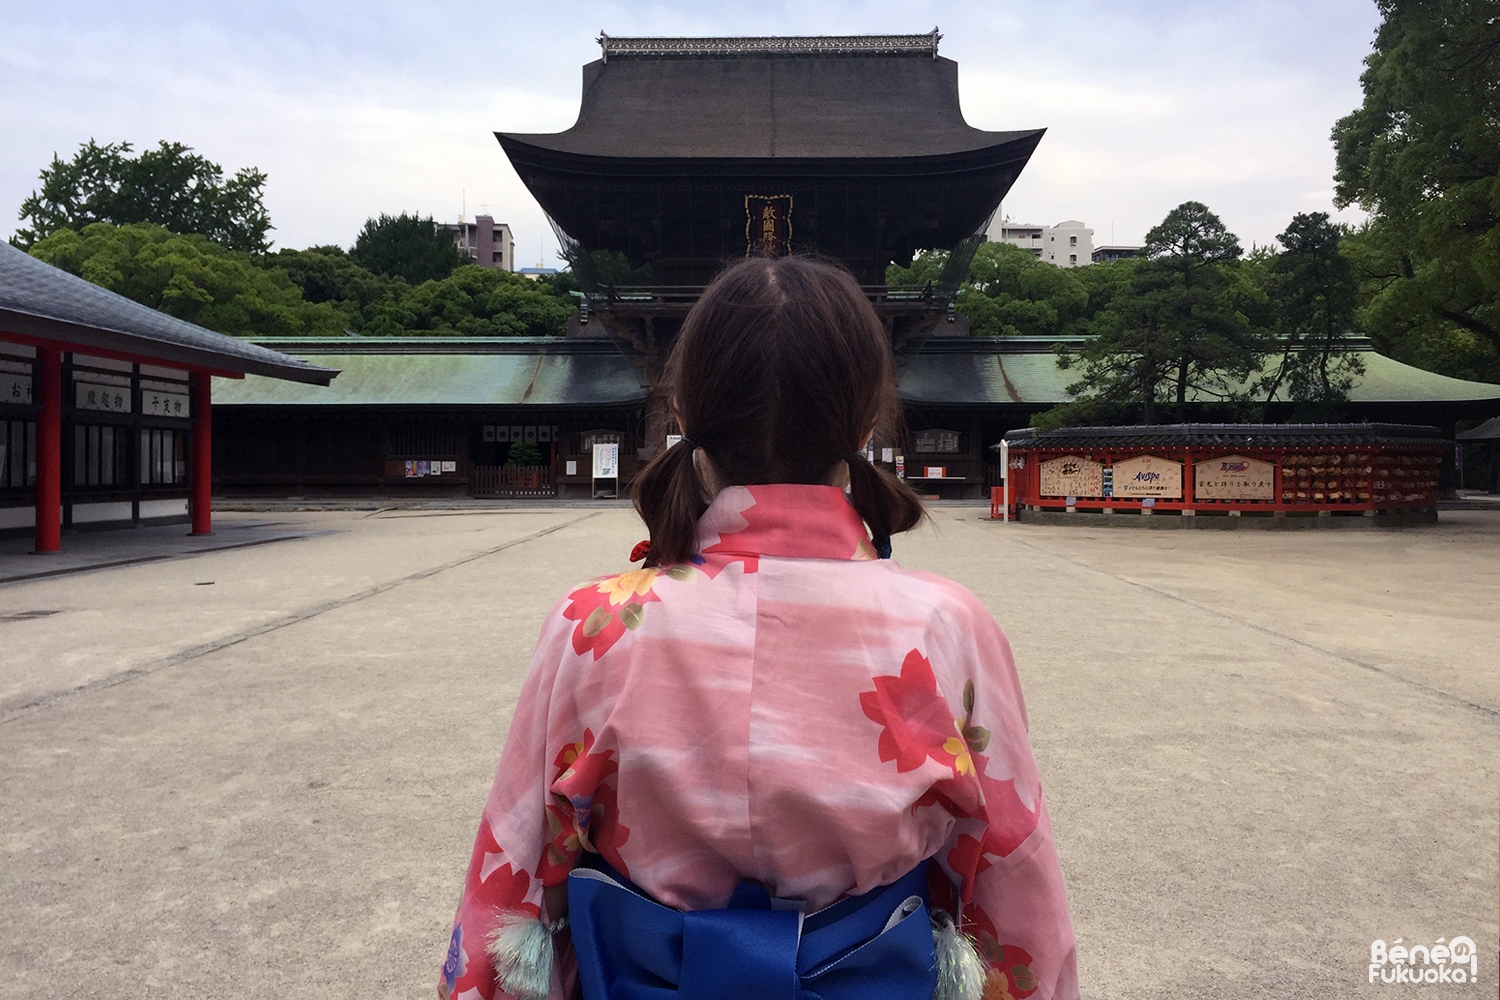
{"x":203,"y":450}
{"x":1189,"y":481}
{"x":49,"y":452}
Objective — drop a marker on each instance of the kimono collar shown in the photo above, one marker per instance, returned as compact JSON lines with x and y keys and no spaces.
{"x":784,"y":519}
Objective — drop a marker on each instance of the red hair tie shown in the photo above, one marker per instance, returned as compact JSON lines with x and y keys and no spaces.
{"x":641,"y":550}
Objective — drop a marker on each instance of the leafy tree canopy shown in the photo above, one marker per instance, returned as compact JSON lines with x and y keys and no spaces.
{"x":1011,"y":292}
{"x":407,"y":246}
{"x":1422,"y":154}
{"x":169,"y":186}
{"x":1177,"y":331}
{"x":1313,"y":291}
{"x":190,"y":277}
{"x":474,"y":302}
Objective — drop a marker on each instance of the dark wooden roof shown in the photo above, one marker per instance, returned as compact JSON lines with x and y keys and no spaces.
{"x":862,"y":137}
{"x":1222,"y":436}
{"x":767,"y":104}
{"x":40,"y":301}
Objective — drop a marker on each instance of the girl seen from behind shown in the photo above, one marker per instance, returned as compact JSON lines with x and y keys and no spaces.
{"x":769,"y":763}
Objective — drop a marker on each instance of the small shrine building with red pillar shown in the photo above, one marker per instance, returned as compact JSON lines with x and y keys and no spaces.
{"x":105,"y":409}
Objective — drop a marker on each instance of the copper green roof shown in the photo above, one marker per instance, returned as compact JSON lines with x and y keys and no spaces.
{"x":429,"y":371}
{"x":558,"y":371}
{"x":975,"y":370}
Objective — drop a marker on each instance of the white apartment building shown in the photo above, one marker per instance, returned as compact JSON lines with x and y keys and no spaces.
{"x":490,"y":245}
{"x":1067,"y":244}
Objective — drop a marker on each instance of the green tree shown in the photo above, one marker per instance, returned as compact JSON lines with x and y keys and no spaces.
{"x":190,"y":277}
{"x":1314,"y":290}
{"x":328,"y":274}
{"x":1010,"y":292}
{"x":523,"y":453}
{"x":1422,"y":155}
{"x":926,"y":267}
{"x":1177,"y":331}
{"x":474,"y":302}
{"x":407,"y":246}
{"x":170,"y":186}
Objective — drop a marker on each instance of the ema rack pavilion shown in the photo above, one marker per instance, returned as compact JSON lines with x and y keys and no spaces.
{"x":1290,"y":473}
{"x":689,"y":153}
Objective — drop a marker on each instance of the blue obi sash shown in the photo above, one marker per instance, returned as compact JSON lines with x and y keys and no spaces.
{"x":872,"y":947}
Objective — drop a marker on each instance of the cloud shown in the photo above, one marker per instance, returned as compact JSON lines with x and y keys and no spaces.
{"x":358,"y":109}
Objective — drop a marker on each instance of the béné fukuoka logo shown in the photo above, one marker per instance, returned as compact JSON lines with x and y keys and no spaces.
{"x":1444,"y":961}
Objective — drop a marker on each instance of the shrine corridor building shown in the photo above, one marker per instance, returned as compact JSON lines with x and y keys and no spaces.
{"x":689,"y":153}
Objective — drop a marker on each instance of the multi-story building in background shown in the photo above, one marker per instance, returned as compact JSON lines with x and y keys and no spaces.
{"x":1105,"y":255}
{"x":1067,"y":244}
{"x":490,"y":244}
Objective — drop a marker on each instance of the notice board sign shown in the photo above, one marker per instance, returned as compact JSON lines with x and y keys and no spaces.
{"x":606,"y":460}
{"x":1148,"y":476}
{"x":1234,"y":477}
{"x":1072,"y":476}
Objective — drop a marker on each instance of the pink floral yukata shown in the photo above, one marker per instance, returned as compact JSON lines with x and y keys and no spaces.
{"x":784,"y":708}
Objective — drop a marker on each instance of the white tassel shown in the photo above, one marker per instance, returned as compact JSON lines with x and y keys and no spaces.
{"x":521,"y":949}
{"x":960,"y":970}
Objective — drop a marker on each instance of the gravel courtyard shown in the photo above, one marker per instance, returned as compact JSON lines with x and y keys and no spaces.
{"x":251,"y":766}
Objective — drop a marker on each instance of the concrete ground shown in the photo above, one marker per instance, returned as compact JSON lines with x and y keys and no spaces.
{"x":256,"y":771}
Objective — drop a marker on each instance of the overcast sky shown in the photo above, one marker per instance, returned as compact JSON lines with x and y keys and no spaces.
{"x":356,"y":109}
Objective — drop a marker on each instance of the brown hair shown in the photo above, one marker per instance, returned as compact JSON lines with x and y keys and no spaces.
{"x":779,"y":372}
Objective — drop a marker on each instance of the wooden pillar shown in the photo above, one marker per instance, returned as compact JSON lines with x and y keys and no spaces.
{"x":49,"y":451}
{"x":203,"y":451}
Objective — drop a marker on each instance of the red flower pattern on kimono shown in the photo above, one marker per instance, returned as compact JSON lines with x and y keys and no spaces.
{"x":609,"y":727}
{"x":499,"y":882}
{"x":1010,"y":976}
{"x":1010,"y":821}
{"x":606,"y":609}
{"x":916,"y":723}
{"x":586,"y":815}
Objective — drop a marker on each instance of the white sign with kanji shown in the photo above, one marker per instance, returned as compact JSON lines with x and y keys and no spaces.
{"x":15,"y":389}
{"x":164,"y":404}
{"x":109,"y":398}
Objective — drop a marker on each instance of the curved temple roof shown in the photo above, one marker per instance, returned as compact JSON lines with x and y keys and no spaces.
{"x":38,"y":300}
{"x":459,"y":371}
{"x":870,"y":97}
{"x":982,"y":370}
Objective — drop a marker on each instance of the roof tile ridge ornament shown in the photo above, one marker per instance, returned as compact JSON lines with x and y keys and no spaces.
{"x":772,"y":45}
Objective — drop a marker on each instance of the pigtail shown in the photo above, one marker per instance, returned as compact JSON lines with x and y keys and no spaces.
{"x":887,"y":504}
{"x":669,"y":499}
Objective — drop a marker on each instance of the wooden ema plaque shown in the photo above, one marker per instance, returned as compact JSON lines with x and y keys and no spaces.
{"x":1072,"y":476}
{"x":1234,"y":477}
{"x":1148,"y":476}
